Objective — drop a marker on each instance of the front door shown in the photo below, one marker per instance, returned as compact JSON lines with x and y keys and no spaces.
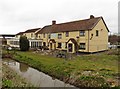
{"x":44,"y":44}
{"x":70,"y":47}
{"x":50,"y":46}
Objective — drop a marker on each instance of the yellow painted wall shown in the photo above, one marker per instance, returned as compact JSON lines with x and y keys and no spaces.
{"x":12,"y":44}
{"x":17,"y":36}
{"x":29,"y":36}
{"x":73,"y":34}
{"x":99,"y":43}
{"x":84,"y":39}
{"x":8,"y":42}
{"x":45,"y":39}
{"x":38,"y":36}
{"x":96,"y":44}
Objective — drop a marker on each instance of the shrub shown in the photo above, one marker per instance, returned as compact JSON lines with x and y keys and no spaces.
{"x":6,"y":83}
{"x":24,"y":43}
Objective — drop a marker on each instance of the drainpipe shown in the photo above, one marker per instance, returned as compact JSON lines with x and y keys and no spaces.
{"x":77,"y":44}
{"x":88,"y":39}
{"x":47,"y":39}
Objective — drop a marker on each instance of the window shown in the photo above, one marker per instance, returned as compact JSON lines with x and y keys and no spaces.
{"x":40,"y":43}
{"x":59,"y":36}
{"x":31,"y":44}
{"x":36,"y":35}
{"x":11,"y":42}
{"x":36,"y":44}
{"x":49,"y":36}
{"x":15,"y":42}
{"x":59,"y":45}
{"x":82,"y":33}
{"x":31,"y":34}
{"x":67,"y":34}
{"x":97,"y":33}
{"x":82,"y":46}
{"x":43,"y":35}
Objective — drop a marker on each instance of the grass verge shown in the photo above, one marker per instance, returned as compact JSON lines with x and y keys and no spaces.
{"x":96,"y":70}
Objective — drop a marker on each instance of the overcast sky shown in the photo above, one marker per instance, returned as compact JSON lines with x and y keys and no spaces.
{"x":20,"y":15}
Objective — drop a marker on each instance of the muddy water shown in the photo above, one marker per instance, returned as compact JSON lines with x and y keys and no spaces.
{"x":37,"y":78}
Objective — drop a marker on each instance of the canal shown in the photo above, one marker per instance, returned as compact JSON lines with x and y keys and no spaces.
{"x":37,"y":78}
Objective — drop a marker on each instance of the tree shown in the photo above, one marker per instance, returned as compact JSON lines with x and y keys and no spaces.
{"x":24,"y":43}
{"x":113,"y":39}
{"x":119,"y":40}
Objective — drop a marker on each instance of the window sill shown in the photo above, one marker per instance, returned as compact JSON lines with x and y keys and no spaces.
{"x":81,"y":48}
{"x":59,"y":47}
{"x":82,"y":36}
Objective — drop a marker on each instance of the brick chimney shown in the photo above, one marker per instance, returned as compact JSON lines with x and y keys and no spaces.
{"x":53,"y":22}
{"x":92,"y":16}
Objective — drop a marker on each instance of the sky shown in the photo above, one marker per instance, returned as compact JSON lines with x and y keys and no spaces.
{"x":20,"y":15}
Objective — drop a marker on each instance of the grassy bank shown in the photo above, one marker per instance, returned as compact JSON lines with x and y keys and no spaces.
{"x":96,"y":70}
{"x":12,"y":79}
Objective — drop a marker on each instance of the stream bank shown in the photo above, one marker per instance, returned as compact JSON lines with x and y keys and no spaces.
{"x":11,"y":79}
{"x":69,"y":72}
{"x":35,"y":77}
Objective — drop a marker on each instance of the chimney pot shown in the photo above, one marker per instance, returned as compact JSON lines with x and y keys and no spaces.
{"x":92,"y":16}
{"x":53,"y":22}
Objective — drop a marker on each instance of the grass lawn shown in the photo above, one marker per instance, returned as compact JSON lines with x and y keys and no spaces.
{"x":94,"y":70}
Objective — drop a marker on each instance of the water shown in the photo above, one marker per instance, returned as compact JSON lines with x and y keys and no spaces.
{"x":37,"y":78}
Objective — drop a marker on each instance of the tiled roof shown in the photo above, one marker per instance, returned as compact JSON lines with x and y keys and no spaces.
{"x":37,"y":31}
{"x":73,"y":41}
{"x":32,"y":30}
{"x":29,"y":30}
{"x":20,"y":33}
{"x":53,"y":41}
{"x":86,"y":24}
